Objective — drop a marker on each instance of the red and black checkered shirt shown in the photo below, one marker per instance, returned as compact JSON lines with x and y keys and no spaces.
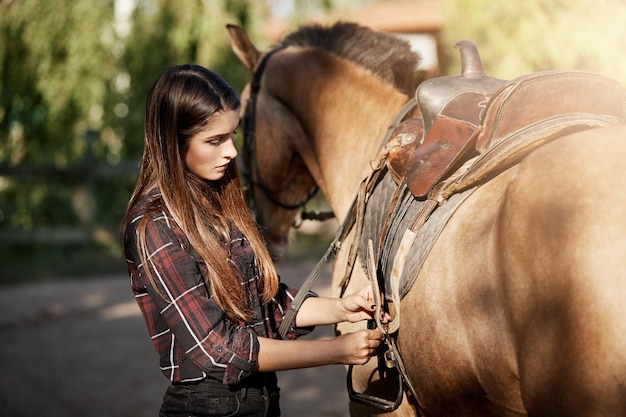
{"x":191,"y":333}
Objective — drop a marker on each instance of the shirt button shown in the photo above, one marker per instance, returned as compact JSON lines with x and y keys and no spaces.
{"x":217,"y":348}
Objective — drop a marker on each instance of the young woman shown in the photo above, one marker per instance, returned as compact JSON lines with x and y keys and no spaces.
{"x":200,"y":271}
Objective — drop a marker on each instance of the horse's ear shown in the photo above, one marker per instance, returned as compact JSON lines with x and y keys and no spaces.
{"x":242,"y":46}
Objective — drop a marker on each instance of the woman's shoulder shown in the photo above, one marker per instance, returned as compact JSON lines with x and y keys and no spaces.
{"x":151,"y":210}
{"x":157,"y":225}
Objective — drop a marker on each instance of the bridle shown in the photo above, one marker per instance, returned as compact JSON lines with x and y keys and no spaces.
{"x":250,"y":170}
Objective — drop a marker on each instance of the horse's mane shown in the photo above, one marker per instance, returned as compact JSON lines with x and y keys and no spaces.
{"x":385,"y":55}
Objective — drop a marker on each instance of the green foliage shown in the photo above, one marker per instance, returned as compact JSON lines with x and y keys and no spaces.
{"x":53,"y":71}
{"x":519,"y":37}
{"x":50,"y":79}
{"x":74,"y":76}
{"x":168,"y":33}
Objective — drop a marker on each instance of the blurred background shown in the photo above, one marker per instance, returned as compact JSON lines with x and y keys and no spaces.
{"x":74,"y":76}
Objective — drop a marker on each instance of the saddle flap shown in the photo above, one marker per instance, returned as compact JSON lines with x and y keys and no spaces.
{"x":452,"y":108}
{"x":421,"y":159}
{"x":430,"y":161}
{"x":404,"y":140}
{"x":542,"y":95}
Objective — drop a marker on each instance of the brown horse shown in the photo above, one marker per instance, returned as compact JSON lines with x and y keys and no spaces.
{"x":519,"y":306}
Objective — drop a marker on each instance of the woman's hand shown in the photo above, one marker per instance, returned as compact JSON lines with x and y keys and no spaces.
{"x":358,"y":347}
{"x":352,"y":308}
{"x":360,"y":306}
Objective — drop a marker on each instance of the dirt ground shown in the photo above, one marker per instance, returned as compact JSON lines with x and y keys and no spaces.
{"x":79,"y":348}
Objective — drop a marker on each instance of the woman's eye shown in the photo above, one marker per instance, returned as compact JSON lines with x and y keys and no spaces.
{"x":220,"y":139}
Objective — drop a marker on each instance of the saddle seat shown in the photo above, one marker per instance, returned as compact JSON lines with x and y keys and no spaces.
{"x":473,"y":114}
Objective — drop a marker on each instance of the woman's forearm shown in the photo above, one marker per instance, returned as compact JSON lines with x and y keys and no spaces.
{"x":280,"y":355}
{"x":318,"y":311}
{"x":349,"y":349}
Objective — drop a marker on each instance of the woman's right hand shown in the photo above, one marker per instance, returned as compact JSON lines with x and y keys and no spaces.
{"x":358,"y":347}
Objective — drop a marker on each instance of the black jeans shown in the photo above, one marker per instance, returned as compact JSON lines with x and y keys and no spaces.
{"x":255,"y":396}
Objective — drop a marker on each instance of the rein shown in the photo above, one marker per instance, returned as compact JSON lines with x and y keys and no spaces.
{"x":249,"y":149}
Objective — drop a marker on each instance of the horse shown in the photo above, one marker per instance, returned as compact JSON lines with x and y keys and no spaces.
{"x":516,"y":305}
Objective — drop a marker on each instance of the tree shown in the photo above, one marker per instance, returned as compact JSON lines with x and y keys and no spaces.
{"x":53,"y":71}
{"x":74,"y":76}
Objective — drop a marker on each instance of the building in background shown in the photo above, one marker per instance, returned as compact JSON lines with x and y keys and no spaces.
{"x":418,"y":21}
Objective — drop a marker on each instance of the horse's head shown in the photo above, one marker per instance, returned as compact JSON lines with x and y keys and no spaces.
{"x":278,"y":181}
{"x":315,"y":113}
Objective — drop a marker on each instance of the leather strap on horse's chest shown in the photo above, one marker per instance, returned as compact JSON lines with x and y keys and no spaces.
{"x":367,"y":184}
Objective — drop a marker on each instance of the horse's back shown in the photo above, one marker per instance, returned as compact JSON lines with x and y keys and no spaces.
{"x":520,"y":303}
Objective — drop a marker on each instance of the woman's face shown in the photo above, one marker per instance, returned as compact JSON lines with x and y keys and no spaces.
{"x":211,"y":150}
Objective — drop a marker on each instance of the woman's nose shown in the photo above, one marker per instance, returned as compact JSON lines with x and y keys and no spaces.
{"x":229,"y":149}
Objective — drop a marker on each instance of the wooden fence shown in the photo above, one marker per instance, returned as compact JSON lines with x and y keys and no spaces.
{"x":85,"y":174}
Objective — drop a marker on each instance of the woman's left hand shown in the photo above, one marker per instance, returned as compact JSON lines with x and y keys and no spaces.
{"x":359,"y":306}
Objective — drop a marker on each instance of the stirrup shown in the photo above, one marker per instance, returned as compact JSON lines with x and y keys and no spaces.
{"x":378,"y":402}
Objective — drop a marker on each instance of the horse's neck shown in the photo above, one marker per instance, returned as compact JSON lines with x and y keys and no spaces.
{"x":345,"y":112}
{"x":348,"y":140}
{"x":347,"y":143}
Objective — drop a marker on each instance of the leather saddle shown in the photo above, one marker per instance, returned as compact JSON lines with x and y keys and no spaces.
{"x":472,"y":127}
{"x":472,"y":114}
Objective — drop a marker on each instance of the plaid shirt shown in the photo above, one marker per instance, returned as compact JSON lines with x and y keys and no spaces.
{"x":191,"y":333}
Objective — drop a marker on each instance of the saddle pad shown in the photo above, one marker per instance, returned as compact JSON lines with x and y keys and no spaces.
{"x":377,"y":215}
{"x":426,"y":238}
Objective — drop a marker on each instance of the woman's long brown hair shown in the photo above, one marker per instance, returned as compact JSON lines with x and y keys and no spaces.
{"x":180,"y":104}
